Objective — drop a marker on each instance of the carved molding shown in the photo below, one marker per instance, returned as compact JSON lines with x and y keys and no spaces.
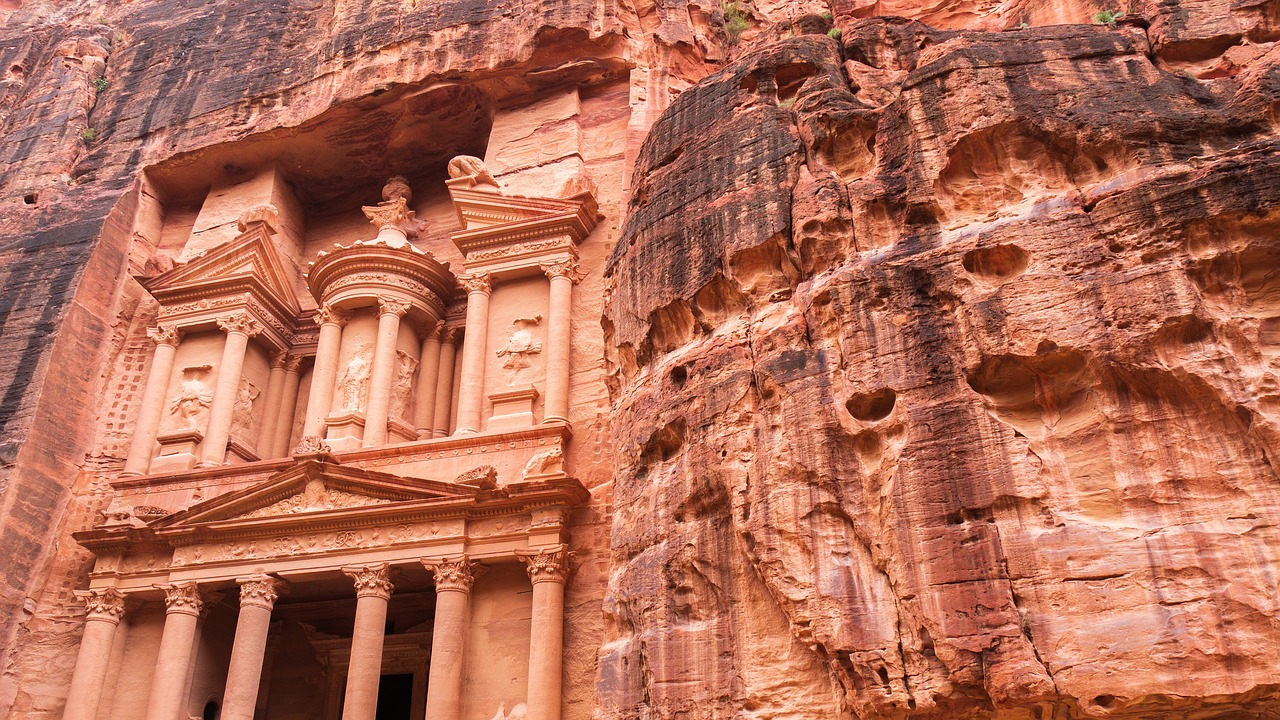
{"x":371,"y":580}
{"x":106,"y":604}
{"x":547,"y":565}
{"x":562,"y":268}
{"x":455,"y":574}
{"x":165,"y":334}
{"x":260,"y":591}
{"x":240,"y":322}
{"x":392,"y":306}
{"x":476,"y":282}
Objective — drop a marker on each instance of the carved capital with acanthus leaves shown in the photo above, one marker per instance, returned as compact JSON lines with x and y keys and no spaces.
{"x":391,"y":306}
{"x":260,"y":591}
{"x":451,"y":573}
{"x":105,"y":604}
{"x":183,"y":597}
{"x":392,"y":213}
{"x":240,"y":322}
{"x":293,"y":363}
{"x":567,"y":268}
{"x":165,"y":334}
{"x":327,"y":313}
{"x":371,"y":580}
{"x":548,"y":564}
{"x":475,"y":282}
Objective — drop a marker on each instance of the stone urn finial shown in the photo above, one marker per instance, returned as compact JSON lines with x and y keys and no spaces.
{"x":397,"y":188}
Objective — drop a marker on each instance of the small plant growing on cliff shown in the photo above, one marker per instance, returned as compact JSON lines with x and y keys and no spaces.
{"x":834,"y":33}
{"x":735,"y":20}
{"x":1107,"y":17}
{"x":101,"y":83}
{"x":827,"y":16}
{"x":88,"y":134}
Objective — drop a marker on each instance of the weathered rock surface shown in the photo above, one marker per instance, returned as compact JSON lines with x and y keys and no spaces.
{"x":945,"y":372}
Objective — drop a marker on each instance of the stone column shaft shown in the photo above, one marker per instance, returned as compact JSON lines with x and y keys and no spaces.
{"x":169,"y":681}
{"x":325,"y":372}
{"x":424,"y":405}
{"x":448,"y":638}
{"x":373,"y":593}
{"x":444,"y":384}
{"x":471,"y":401}
{"x":142,"y":445}
{"x":548,"y":570}
{"x":383,"y":372}
{"x":288,"y":405}
{"x":561,"y":275}
{"x":239,"y":328}
{"x":106,"y":607}
{"x":257,"y":597}
{"x":271,"y":406}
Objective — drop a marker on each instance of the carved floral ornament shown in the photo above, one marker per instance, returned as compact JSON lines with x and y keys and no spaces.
{"x":183,"y":597}
{"x":548,"y":564}
{"x":260,"y":591}
{"x":103,"y":604}
{"x":392,"y":306}
{"x":479,"y":282}
{"x":452,"y":573}
{"x":371,"y":580}
{"x":165,"y":334}
{"x":567,"y":268}
{"x":240,"y":322}
{"x":328,"y":314}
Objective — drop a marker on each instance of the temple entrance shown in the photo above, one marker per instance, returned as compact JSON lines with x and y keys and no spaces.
{"x":395,"y":697}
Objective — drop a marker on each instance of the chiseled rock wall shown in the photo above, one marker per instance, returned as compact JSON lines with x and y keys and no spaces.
{"x":946,"y":371}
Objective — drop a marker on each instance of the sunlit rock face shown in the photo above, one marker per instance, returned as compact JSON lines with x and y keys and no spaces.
{"x":945,"y":372}
{"x":925,"y":354}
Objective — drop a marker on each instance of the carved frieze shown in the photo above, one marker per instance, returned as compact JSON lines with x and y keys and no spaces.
{"x":316,"y":497}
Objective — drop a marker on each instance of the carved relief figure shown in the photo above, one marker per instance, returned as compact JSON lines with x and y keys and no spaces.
{"x":519,"y":712}
{"x":403,"y":384}
{"x":471,"y":168}
{"x":193,"y":399}
{"x":520,"y":346}
{"x":353,"y":384}
{"x":242,"y":420}
{"x":545,"y":462}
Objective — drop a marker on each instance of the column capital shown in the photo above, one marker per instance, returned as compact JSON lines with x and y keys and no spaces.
{"x":165,"y":334}
{"x":183,"y":597}
{"x":452,"y":573}
{"x":240,"y":322}
{"x":260,"y":591}
{"x":393,"y":212}
{"x":278,"y":359}
{"x":371,"y":580}
{"x":547,"y":564}
{"x":452,"y":335}
{"x":293,"y":363}
{"x":103,"y":604}
{"x":567,"y":268}
{"x":476,"y":282}
{"x":431,"y":330}
{"x":392,"y":306}
{"x":327,"y":313}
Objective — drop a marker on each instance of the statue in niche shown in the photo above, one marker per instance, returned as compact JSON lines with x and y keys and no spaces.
{"x":242,"y":412}
{"x":403,"y":384}
{"x":353,"y":385}
{"x":520,"y":346}
{"x":193,"y":399}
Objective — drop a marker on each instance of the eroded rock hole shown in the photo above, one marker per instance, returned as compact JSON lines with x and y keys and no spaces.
{"x":30,"y":198}
{"x":872,"y":406}
{"x":791,"y":78}
{"x":1104,"y":700}
{"x":998,"y":262}
{"x":665,"y":443}
{"x":679,"y":374}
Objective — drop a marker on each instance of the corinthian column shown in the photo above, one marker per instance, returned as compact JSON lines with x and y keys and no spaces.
{"x":453,"y":608}
{"x":424,"y":405}
{"x":183,"y":604}
{"x":271,"y":405}
{"x":562,"y":274}
{"x":383,"y":372}
{"x":288,"y":405}
{"x":325,"y":372}
{"x":142,"y":445}
{"x":471,"y":400}
{"x":239,"y":328}
{"x":106,"y":607}
{"x":257,"y":597}
{"x":548,"y":570}
{"x":373,"y":593}
{"x":444,"y":382}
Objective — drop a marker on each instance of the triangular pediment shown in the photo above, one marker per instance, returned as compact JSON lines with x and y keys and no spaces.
{"x":311,"y":489}
{"x":251,"y":256}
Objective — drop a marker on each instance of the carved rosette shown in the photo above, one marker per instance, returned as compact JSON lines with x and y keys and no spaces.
{"x":240,"y":322}
{"x":391,"y":306}
{"x":105,"y":604}
{"x":165,"y":334}
{"x":479,"y":282}
{"x":183,"y":597}
{"x":371,"y":580}
{"x":328,"y":314}
{"x":567,"y":268}
{"x":260,"y":591}
{"x":455,"y":574}
{"x":547,"y":565}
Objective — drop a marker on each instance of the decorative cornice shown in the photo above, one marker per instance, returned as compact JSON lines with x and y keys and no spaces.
{"x":371,"y":580}
{"x":547,"y":564}
{"x":106,"y":604}
{"x":241,"y":322}
{"x":260,"y":591}
{"x":183,"y":597}
{"x":479,"y":282}
{"x":165,"y":334}
{"x":392,"y":306}
{"x":456,"y":574}
{"x":562,"y":268}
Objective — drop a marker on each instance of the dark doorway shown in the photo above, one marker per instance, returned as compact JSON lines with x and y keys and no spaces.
{"x":395,"y":696}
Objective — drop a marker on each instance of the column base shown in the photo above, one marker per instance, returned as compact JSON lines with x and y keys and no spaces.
{"x":346,"y":431}
{"x":513,"y":409}
{"x":179,"y":452}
